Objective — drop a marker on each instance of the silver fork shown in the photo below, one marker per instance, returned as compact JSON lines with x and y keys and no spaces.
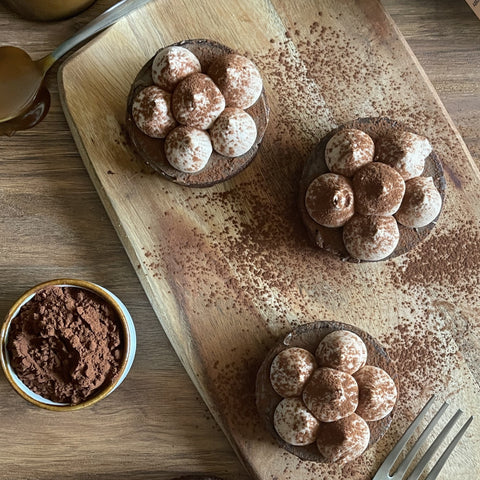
{"x":383,"y":472}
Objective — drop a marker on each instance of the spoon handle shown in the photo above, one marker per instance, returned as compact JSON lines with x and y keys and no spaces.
{"x":107,"y":18}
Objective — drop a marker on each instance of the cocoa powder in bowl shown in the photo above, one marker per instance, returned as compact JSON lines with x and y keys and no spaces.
{"x":66,"y":344}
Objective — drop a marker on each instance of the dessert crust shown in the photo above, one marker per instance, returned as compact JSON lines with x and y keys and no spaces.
{"x":331,"y":239}
{"x":219,"y":167}
{"x":308,"y":336}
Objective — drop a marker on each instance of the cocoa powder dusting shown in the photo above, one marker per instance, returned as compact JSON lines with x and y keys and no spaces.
{"x":456,"y":253}
{"x":197,"y":101}
{"x":264,"y":278}
{"x":378,"y":189}
{"x":65,"y":344}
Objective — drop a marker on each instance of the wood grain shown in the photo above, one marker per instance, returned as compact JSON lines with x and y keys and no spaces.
{"x":53,"y":224}
{"x":221,"y":290}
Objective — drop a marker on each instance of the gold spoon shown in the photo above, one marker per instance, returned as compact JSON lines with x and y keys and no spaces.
{"x":24,"y":100}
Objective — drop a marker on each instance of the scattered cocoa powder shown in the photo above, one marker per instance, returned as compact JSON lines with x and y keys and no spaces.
{"x":266,"y":278}
{"x":65,"y":344}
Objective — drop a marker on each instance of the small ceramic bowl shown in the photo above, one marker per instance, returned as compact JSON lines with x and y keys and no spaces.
{"x":128,"y":351}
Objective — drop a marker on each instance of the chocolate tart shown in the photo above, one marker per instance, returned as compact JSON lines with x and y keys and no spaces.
{"x":308,"y":336}
{"x":219,"y":167}
{"x":331,"y":239}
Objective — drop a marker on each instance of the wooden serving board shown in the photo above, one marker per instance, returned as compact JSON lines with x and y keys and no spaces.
{"x":229,"y":269}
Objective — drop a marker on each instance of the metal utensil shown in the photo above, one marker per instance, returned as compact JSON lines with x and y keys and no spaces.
{"x":383,"y":472}
{"x":23,"y":77}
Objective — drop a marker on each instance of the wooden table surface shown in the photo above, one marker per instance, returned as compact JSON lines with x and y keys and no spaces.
{"x":54,"y":225}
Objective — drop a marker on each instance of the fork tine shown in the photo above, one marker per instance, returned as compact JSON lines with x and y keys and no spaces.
{"x":441,"y":461}
{"x":407,"y":461}
{"x":433,"y":448}
{"x":384,"y":470}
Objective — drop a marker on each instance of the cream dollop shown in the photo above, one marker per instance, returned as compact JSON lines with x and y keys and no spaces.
{"x":348,"y":150}
{"x":197,"y":101}
{"x":370,"y":238}
{"x":294,"y":422}
{"x":330,"y":394}
{"x":172,"y":64}
{"x":238,"y":79}
{"x":378,"y":188}
{"x":377,"y":393}
{"x":405,"y":151}
{"x":290,"y":371}
{"x":151,"y":112}
{"x":234,"y":132}
{"x":329,"y":200}
{"x":343,"y":350}
{"x":188,"y":149}
{"x":343,"y":440}
{"x":421,"y":203}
